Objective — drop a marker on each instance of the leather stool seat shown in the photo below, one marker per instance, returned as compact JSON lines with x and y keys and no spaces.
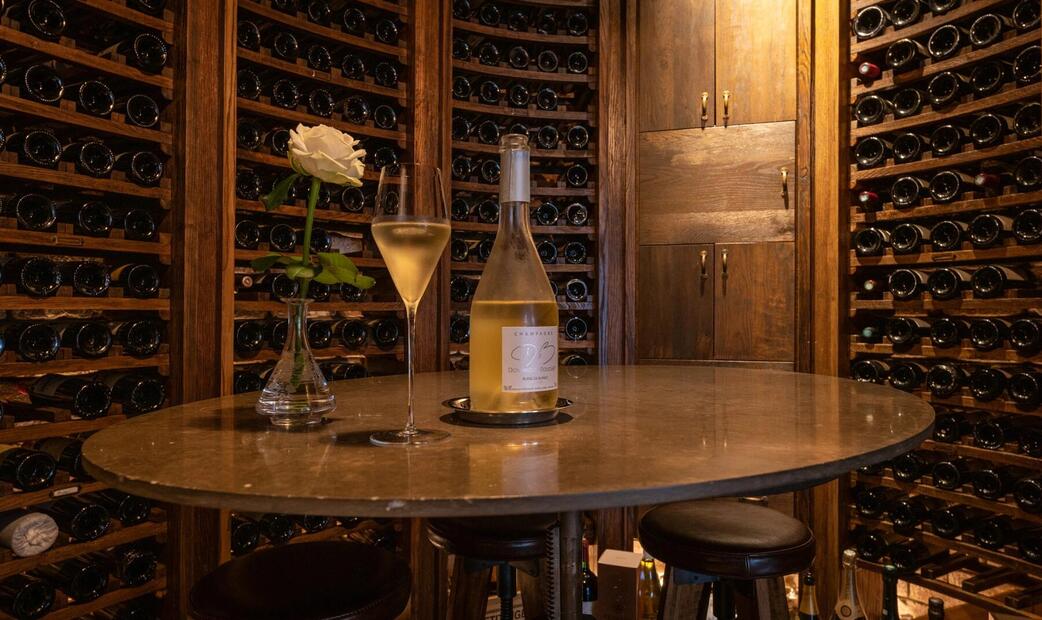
{"x":328,"y":580}
{"x":493,"y":539}
{"x":727,"y":539}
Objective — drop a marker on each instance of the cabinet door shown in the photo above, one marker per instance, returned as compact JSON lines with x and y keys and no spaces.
{"x":756,"y":60}
{"x":676,"y":63}
{"x":675,"y":302}
{"x":717,"y":184}
{"x":753,"y":302}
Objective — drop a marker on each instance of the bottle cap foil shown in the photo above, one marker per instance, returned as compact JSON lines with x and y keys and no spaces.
{"x":515,"y":177}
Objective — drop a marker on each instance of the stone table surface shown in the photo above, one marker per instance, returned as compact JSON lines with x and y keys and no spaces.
{"x":636,"y":435}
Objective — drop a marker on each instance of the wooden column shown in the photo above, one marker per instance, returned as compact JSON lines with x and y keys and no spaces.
{"x":821,"y":271}
{"x":203,"y":138}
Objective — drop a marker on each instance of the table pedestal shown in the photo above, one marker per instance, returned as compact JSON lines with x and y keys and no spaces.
{"x":569,"y":578}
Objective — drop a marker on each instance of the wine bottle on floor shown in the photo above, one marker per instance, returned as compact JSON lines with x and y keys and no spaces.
{"x":848,"y":607}
{"x":808,"y":608}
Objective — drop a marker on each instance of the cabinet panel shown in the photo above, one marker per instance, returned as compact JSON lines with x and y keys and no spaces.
{"x":756,"y":60}
{"x":716,"y":184}
{"x":675,"y":303}
{"x":753,"y":302}
{"x":676,"y":51}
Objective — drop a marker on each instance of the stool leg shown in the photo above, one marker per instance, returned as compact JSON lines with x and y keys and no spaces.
{"x":530,"y":582}
{"x":770,"y":596}
{"x":723,"y":600}
{"x":470,"y":581}
{"x":507,"y":588}
{"x":681,"y":594}
{"x":747,"y":605}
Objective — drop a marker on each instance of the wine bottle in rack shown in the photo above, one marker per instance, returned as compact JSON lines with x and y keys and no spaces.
{"x":87,"y":398}
{"x":870,"y":22}
{"x":993,"y":482}
{"x":137,"y":392}
{"x":128,"y":509}
{"x":911,"y":466}
{"x":138,"y":337}
{"x":872,"y":502}
{"x":23,"y":596}
{"x":83,"y":521}
{"x":245,"y":535}
{"x":134,"y":566}
{"x":945,"y":380}
{"x":79,"y":578}
{"x":36,"y":147}
{"x":34,"y":342}
{"x":995,"y":532}
{"x":26,"y":469}
{"x":869,"y":370}
{"x":67,"y":452}
{"x":952,"y":521}
{"x":37,"y":82}
{"x":27,"y":533}
{"x":353,"y":334}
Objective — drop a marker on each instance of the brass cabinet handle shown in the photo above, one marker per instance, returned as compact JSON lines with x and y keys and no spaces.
{"x":784,"y":182}
{"x":705,"y":107}
{"x":723,"y":260}
{"x":727,"y":105}
{"x":703,"y":255}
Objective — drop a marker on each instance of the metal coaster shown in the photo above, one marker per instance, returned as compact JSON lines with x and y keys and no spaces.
{"x":461,"y":407}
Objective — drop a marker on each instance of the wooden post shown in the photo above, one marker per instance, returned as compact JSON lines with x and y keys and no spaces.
{"x":204,"y":144}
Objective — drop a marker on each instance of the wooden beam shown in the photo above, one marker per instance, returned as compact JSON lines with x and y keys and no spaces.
{"x":202,"y":137}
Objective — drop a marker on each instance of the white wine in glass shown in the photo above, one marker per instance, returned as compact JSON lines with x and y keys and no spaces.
{"x":412,"y":233}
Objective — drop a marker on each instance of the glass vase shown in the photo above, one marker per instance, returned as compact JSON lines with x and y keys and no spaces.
{"x":297,"y":393}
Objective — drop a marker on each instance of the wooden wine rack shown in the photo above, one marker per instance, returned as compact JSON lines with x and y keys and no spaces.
{"x":995,"y":580}
{"x":70,"y":55}
{"x":579,"y":104}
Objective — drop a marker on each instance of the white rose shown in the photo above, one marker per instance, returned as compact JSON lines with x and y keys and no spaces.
{"x":327,"y":154}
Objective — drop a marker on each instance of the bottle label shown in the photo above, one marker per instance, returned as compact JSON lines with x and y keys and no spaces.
{"x":529,"y":358}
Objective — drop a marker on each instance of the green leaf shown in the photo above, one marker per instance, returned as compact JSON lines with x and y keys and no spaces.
{"x":300,"y":270}
{"x":364,"y":282}
{"x":289,"y":260}
{"x":326,"y":277}
{"x":335,"y":260}
{"x":265,"y":263}
{"x":278,"y":193}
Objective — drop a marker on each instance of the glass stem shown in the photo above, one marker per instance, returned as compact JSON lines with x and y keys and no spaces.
{"x":410,"y":329}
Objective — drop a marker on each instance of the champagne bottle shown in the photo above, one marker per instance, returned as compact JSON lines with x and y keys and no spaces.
{"x":848,"y":607}
{"x":808,"y":608}
{"x":889,"y":611}
{"x":514,"y":319}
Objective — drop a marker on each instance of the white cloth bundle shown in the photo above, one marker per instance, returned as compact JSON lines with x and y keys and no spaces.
{"x":28,"y":533}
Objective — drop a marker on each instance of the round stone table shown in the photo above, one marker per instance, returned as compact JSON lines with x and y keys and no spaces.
{"x":635,"y":435}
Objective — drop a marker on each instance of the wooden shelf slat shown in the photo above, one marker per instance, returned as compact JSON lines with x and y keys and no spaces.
{"x":990,"y":203}
{"x":996,"y":456}
{"x":24,"y":302}
{"x":486,"y":188}
{"x":324,"y":32}
{"x":529,"y":112}
{"x":370,"y":350}
{"x":1002,"y":305}
{"x":85,"y":59}
{"x":15,"y":501}
{"x":561,"y":153}
{"x":62,"y":114}
{"x":36,"y":174}
{"x":80,"y":364}
{"x":361,"y":262}
{"x":326,"y":215}
{"x":472,"y":66}
{"x":889,"y":259}
{"x":279,"y":308}
{"x":120,"y":536}
{"x":270,"y":111}
{"x":967,"y":353}
{"x":386,"y":5}
{"x":15,"y":237}
{"x":929,"y":163}
{"x":562,"y":4}
{"x":889,"y":79}
{"x":128,"y":15}
{"x":42,"y":430}
{"x":589,"y":40}
{"x":538,"y":230}
{"x":109,"y":599}
{"x":554,"y":268}
{"x":927,"y":23}
{"x":963,"y":109}
{"x":279,"y":161}
{"x":326,"y":77}
{"x":999,"y":405}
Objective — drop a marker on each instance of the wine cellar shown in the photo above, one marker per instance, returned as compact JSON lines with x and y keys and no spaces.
{"x":943,"y":223}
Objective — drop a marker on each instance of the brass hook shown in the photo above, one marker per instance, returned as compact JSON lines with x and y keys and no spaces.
{"x":784,"y":182}
{"x":705,"y":107}
{"x":703,"y":255}
{"x":727,"y":105}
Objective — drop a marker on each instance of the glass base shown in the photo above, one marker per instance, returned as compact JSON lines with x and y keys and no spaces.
{"x":418,"y":437}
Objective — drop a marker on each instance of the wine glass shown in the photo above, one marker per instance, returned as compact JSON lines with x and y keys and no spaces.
{"x":411,"y":228}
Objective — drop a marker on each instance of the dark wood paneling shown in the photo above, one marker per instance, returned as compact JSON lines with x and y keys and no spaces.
{"x":676,"y":53}
{"x":754,"y":302}
{"x":675,"y":308}
{"x":733,"y":179}
{"x":756,"y":60}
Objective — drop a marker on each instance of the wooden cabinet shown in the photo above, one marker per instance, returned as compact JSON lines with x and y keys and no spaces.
{"x":717,"y":184}
{"x":676,"y":40}
{"x":753,"y":302}
{"x":743,"y":51}
{"x":675,"y":305}
{"x":726,"y":302}
{"x":756,"y":60}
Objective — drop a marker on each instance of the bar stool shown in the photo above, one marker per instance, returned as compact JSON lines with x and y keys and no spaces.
{"x":327,"y":580}
{"x":509,"y":543}
{"x":728,"y":546}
